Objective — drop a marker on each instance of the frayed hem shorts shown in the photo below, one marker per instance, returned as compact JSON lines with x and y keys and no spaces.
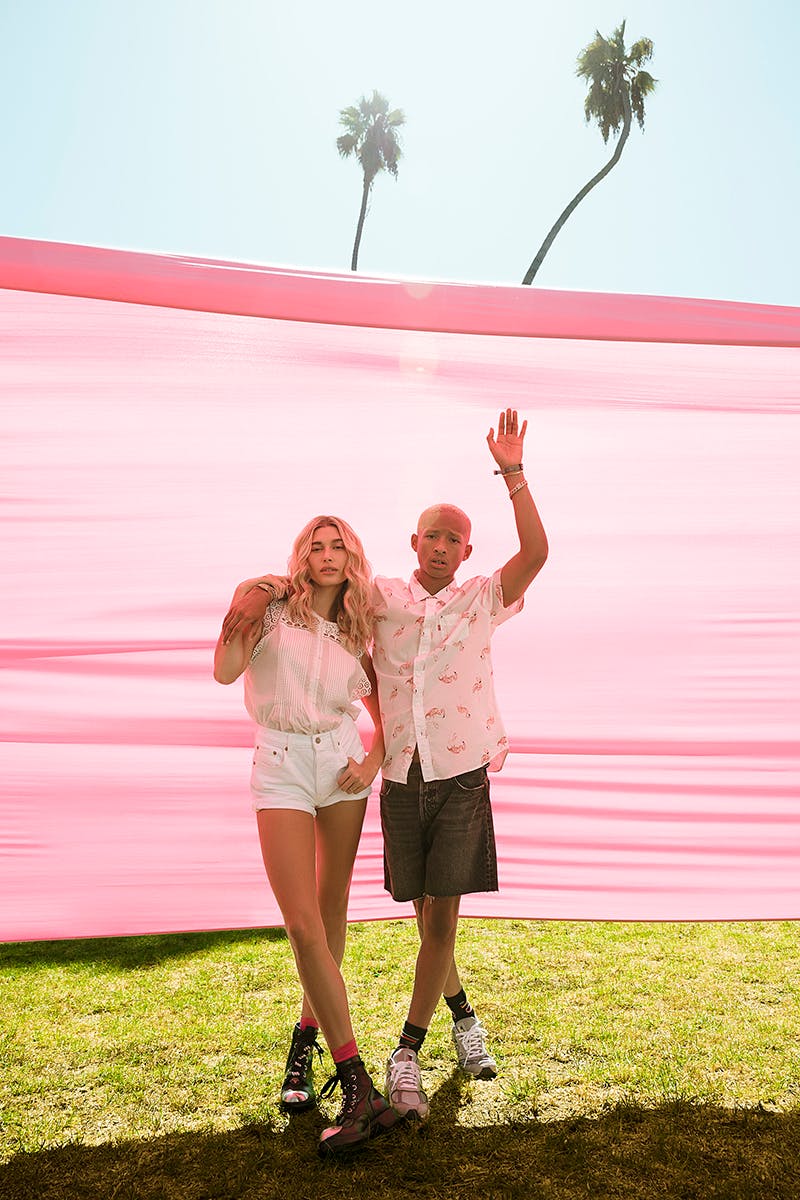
{"x":438,"y":837}
{"x":300,"y":770}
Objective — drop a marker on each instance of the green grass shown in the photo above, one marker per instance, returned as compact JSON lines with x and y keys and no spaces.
{"x":635,"y":1061}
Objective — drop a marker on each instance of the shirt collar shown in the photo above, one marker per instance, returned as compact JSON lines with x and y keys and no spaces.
{"x":418,"y":592}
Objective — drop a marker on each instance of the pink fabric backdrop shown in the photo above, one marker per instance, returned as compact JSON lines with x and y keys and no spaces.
{"x":168,"y":425}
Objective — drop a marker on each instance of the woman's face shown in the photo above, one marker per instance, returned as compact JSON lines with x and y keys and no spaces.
{"x":328,"y":557}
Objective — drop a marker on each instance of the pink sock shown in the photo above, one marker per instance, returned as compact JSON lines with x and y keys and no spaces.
{"x":308,"y":1023}
{"x":348,"y":1050}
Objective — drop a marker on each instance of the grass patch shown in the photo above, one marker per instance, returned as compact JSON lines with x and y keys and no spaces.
{"x":635,"y":1060}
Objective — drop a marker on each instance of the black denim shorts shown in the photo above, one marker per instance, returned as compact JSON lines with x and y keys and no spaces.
{"x":438,"y":837}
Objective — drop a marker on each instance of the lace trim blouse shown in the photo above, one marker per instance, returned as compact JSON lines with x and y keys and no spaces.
{"x":300,"y":680}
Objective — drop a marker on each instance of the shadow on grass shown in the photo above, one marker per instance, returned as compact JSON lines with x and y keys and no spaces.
{"x":678,"y":1150}
{"x":124,"y":953}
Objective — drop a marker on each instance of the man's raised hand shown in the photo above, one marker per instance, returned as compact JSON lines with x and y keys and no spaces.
{"x":506,"y":449}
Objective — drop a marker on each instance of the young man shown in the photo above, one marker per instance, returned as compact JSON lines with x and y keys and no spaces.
{"x":442,"y":731}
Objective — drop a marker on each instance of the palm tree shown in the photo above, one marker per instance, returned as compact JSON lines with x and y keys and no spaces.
{"x":617,"y":88}
{"x":370,"y":135}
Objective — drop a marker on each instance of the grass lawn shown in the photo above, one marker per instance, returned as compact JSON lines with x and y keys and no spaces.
{"x":635,"y":1061}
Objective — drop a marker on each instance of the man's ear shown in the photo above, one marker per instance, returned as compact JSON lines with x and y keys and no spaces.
{"x":414,"y":542}
{"x":468,"y":551}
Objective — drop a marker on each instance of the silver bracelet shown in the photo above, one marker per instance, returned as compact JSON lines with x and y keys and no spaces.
{"x":517,"y":488}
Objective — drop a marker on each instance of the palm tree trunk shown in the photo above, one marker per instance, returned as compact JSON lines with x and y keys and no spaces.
{"x":573,"y":204}
{"x":360,"y":226}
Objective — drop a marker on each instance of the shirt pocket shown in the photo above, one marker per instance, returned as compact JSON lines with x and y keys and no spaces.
{"x":451,"y":632}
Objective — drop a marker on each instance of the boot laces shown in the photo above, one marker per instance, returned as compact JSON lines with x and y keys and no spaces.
{"x":298,"y":1064}
{"x":349,"y":1094}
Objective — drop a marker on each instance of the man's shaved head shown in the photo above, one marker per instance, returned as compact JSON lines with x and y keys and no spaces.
{"x":447,"y":515}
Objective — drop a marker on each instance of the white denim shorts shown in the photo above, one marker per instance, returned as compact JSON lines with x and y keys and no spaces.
{"x":300,"y":770}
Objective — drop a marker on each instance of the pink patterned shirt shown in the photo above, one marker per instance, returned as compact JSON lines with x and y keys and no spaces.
{"x":434,"y":667}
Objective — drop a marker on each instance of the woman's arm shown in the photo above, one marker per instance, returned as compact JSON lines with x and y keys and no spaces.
{"x":357,"y":776}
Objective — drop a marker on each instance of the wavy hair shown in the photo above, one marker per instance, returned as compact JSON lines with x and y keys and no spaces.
{"x":354,"y":612}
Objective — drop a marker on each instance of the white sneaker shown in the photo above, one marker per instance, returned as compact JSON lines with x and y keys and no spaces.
{"x":469,"y":1037}
{"x":404,"y":1085}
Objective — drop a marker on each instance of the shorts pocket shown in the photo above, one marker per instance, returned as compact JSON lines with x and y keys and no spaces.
{"x":350,"y":747}
{"x":268,"y":756}
{"x":470,"y":781}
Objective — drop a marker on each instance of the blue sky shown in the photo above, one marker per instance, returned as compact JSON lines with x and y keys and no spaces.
{"x":208,"y":127}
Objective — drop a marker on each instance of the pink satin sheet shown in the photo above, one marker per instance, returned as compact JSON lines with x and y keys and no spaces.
{"x":169,"y":424}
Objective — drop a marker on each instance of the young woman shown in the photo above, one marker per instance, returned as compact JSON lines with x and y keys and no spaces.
{"x":304,"y":667}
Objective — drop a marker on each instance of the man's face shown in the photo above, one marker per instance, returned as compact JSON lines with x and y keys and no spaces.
{"x":441,"y":543}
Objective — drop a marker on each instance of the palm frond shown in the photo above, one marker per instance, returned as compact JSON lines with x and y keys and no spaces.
{"x":616,"y":90}
{"x":370,"y":134}
{"x":640,"y":51}
{"x":346,"y":144}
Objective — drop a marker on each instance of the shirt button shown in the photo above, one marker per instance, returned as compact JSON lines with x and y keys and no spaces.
{"x":317,"y":739}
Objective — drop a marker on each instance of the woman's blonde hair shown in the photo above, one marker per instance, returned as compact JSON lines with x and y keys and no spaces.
{"x":354,"y":611}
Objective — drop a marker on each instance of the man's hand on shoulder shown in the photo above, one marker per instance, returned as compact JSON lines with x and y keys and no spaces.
{"x":250,"y":602}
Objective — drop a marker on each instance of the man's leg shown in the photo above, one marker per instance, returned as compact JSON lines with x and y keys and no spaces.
{"x":453,"y":982}
{"x":439,"y":923}
{"x":453,"y":991}
{"x":438,"y":916}
{"x":469,"y":1035}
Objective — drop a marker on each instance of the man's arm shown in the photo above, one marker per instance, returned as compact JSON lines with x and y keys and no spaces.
{"x":232,"y":656}
{"x":250,"y":602}
{"x":520,"y":571}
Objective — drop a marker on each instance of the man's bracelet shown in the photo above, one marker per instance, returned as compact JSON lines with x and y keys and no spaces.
{"x":510,"y":470}
{"x":517,"y":488}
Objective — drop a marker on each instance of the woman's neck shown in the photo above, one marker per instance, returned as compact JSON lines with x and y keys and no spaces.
{"x":325,"y":602}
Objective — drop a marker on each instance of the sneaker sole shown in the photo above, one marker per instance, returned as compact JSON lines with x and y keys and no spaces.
{"x":484,"y":1073}
{"x":413,"y":1115}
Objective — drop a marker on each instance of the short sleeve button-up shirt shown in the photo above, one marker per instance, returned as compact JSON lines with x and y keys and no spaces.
{"x":435,"y":679}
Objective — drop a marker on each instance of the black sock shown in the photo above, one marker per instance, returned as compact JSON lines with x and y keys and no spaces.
{"x":459,"y":1006}
{"x":412,"y":1037}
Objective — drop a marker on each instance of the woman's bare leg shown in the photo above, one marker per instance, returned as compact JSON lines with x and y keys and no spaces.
{"x":338,"y":833}
{"x":288,"y":847}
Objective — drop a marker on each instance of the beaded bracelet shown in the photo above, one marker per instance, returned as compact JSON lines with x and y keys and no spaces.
{"x":517,"y":488}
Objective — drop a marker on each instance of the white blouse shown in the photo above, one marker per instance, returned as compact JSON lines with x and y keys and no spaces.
{"x":299,"y":680}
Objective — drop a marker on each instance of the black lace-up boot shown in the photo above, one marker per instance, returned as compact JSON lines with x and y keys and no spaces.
{"x":297,"y":1093}
{"x":364,"y":1112}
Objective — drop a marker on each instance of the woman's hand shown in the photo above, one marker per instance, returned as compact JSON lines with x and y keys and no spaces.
{"x":357,"y":777}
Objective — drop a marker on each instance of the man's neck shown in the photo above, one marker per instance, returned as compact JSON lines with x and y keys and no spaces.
{"x":432,"y":585}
